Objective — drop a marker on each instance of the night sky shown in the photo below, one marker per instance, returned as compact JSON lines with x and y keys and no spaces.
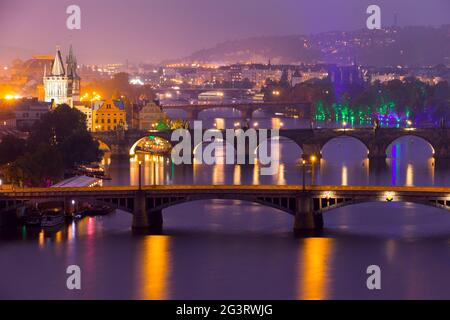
{"x":153,"y":30}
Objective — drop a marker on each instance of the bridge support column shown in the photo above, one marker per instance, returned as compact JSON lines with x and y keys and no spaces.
{"x":192,"y":114}
{"x":442,"y":156}
{"x":155,"y":222}
{"x":246,"y":114}
{"x":377,"y":152}
{"x":310,"y":150}
{"x":306,"y":222}
{"x":140,"y":218}
{"x":120,"y":152}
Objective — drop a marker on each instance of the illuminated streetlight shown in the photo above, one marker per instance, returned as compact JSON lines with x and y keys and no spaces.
{"x":389,"y":196}
{"x":140,"y":175}
{"x":304,"y":174}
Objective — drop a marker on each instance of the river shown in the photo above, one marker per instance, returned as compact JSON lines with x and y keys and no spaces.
{"x":223,"y":249}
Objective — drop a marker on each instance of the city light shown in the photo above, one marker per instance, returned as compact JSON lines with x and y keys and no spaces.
{"x":12,"y":97}
{"x":94,"y":96}
{"x":390,"y":196}
{"x":328,"y":195}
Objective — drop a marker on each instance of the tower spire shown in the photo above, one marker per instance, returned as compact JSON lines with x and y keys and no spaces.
{"x":71,"y":63}
{"x":58,"y":67}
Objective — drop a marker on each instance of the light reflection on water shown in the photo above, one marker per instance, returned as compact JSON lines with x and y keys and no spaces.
{"x":344,"y":162}
{"x":238,"y":250}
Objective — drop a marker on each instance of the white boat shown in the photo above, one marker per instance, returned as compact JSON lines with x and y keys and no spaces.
{"x":52,"y":218}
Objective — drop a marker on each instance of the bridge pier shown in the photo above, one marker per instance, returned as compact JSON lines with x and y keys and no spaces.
{"x":140,"y":218}
{"x":377,"y":152}
{"x":144,"y":220}
{"x":246,"y":113}
{"x":306,"y":222}
{"x":192,"y":114}
{"x":310,"y":150}
{"x":155,"y":222}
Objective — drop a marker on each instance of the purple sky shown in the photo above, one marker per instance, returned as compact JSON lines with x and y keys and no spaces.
{"x":153,"y":30}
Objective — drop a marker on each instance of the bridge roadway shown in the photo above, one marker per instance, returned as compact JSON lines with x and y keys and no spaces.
{"x":306,"y":205}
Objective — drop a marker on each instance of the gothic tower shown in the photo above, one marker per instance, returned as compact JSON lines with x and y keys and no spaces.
{"x":62,"y":85}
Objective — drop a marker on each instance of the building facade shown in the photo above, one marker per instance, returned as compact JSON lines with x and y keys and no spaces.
{"x":148,"y":117}
{"x":110,"y":116}
{"x":62,"y":84}
{"x":87,"y":110}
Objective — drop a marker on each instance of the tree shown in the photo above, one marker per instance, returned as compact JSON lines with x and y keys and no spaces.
{"x":65,"y":129}
{"x":58,"y":141}
{"x":36,"y":169}
{"x":11,"y":148}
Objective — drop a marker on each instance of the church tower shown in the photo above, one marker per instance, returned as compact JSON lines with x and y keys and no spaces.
{"x":62,"y":85}
{"x":74,"y":79}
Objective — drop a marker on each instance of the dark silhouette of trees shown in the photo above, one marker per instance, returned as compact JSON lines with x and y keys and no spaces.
{"x":58,"y":142}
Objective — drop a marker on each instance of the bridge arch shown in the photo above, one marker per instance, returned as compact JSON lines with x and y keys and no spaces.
{"x":160,"y":142}
{"x":283,"y":204}
{"x":390,"y":142}
{"x":221,"y":143}
{"x":283,"y":141}
{"x":221,"y":112}
{"x":325,"y":144}
{"x":319,"y":205}
{"x":175,"y":112}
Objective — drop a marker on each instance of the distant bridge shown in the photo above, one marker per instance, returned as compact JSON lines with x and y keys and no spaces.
{"x":302,"y":108}
{"x":306,"y":205}
{"x":311,"y":141}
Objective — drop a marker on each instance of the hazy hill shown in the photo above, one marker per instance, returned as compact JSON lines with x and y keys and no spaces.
{"x":393,"y":46}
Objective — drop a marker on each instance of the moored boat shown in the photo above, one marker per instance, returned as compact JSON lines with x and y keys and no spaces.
{"x":52,"y":218}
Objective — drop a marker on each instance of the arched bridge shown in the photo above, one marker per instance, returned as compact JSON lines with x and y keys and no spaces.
{"x":311,"y":141}
{"x":246,"y":110}
{"x":306,"y":205}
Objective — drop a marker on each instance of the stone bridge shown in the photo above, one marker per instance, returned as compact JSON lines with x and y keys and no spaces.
{"x":306,"y":205}
{"x":303,"y":109}
{"x":311,"y":141}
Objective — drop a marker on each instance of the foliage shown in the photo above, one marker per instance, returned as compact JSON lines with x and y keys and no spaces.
{"x":11,"y":148}
{"x":58,"y":142}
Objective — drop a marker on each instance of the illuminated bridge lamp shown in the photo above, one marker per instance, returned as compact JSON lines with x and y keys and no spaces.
{"x":328,"y":195}
{"x":313,"y":158}
{"x":389,"y":196}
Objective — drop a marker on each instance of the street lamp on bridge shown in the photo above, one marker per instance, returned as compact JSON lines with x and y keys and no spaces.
{"x":304,"y":164}
{"x":140,"y":175}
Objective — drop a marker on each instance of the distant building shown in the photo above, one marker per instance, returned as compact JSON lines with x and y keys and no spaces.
{"x":62,"y":84}
{"x":109,"y":117}
{"x":258,"y":74}
{"x":88,"y":111}
{"x":148,"y":117}
{"x":27,"y":113}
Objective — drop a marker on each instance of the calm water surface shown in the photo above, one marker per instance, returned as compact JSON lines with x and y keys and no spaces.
{"x":222,"y":249}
